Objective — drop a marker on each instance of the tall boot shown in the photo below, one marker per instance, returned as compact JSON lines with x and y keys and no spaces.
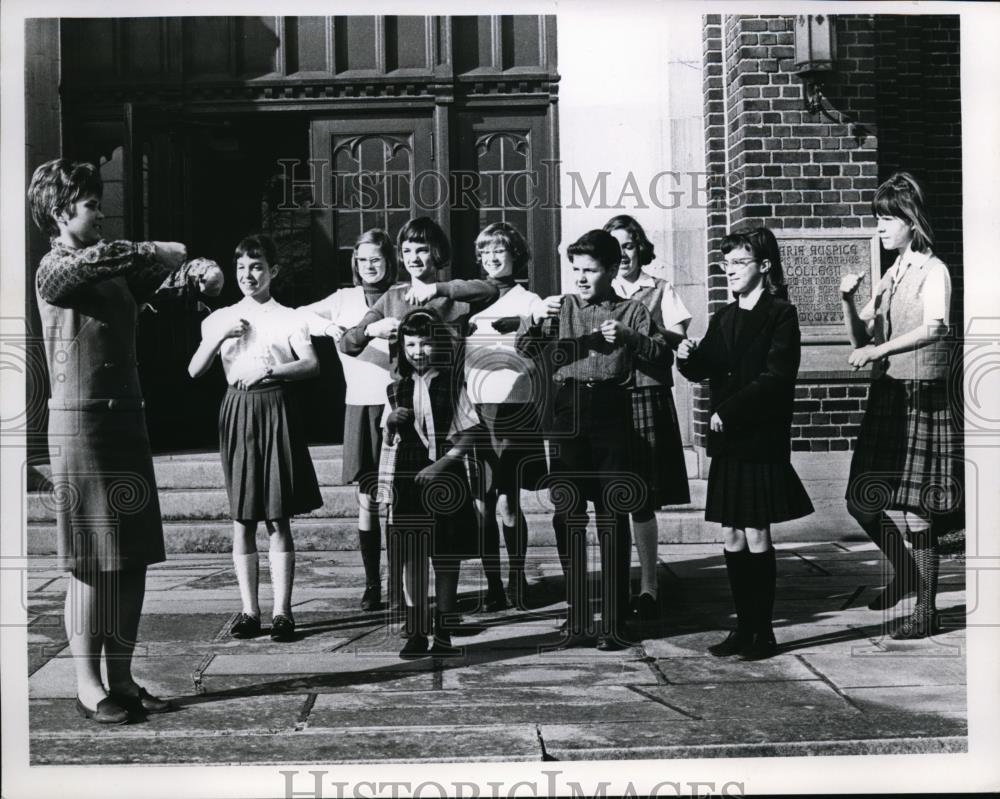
{"x":516,"y":541}
{"x":370,"y":543}
{"x":888,"y":538}
{"x":413,"y":632}
{"x":763,"y":574}
{"x":737,"y":568}
{"x":496,"y":599}
{"x":923,"y":622}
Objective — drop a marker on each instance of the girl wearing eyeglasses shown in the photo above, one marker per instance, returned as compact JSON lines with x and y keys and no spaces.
{"x":366,"y":374}
{"x":750,"y":355}
{"x":504,"y":386}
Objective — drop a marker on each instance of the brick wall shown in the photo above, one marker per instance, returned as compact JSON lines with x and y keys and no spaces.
{"x":894,"y":99}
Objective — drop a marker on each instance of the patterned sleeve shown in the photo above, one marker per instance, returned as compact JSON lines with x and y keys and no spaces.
{"x":63,"y":272}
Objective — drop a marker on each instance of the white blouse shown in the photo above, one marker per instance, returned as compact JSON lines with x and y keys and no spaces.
{"x":276,"y":333}
{"x":367,"y":374}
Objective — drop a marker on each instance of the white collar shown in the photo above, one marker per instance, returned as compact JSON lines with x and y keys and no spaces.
{"x":261,"y":307}
{"x":626,"y":287}
{"x":749,"y":301}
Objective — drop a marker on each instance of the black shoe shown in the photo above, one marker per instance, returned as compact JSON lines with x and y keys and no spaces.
{"x":646,"y":608}
{"x":496,"y":601}
{"x":442,"y":645}
{"x":762,"y":647}
{"x":372,"y":598}
{"x":918,"y":625}
{"x":282,"y":628}
{"x":245,"y":626}
{"x":142,"y":703}
{"x":517,"y":590}
{"x":734,"y":643}
{"x":108,"y":711}
{"x":894,"y":591}
{"x":415,"y":647}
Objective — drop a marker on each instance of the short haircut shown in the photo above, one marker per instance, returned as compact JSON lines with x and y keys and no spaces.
{"x":763,"y":245}
{"x":901,"y":196}
{"x":424,"y":230}
{"x":599,"y":245}
{"x":56,"y":185}
{"x":380,"y":239}
{"x":626,"y":222}
{"x":257,"y":245}
{"x":511,"y":238}
{"x":426,"y":323}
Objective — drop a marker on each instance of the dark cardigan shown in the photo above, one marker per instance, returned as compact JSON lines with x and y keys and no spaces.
{"x":751,"y":381}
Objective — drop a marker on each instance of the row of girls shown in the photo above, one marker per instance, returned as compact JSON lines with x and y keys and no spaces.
{"x":89,"y":290}
{"x":494,"y":399}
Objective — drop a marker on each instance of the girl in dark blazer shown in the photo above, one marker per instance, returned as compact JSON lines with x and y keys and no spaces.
{"x":750,"y":355}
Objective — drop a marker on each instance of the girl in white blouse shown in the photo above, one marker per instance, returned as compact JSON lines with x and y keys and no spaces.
{"x":268,"y":472}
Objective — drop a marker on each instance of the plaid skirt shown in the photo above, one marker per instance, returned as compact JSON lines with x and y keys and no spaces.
{"x":362,"y":445}
{"x":906,"y":458}
{"x":265,"y":462}
{"x":742,"y":494}
{"x":656,"y":451}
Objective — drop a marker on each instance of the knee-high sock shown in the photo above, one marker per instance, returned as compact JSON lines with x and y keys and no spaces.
{"x":737,"y":569}
{"x":763,"y":571}
{"x":248,"y":577}
{"x":882,"y":530}
{"x":282,"y":575}
{"x":515,"y":539}
{"x":646,"y":534}
{"x":491,"y":553}
{"x":370,"y":544}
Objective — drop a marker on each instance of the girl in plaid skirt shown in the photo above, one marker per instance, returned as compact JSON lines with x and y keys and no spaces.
{"x":430,"y":421}
{"x":657,"y":451}
{"x":904,"y":459}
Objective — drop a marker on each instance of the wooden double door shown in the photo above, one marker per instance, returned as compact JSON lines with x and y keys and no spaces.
{"x":315,"y":182}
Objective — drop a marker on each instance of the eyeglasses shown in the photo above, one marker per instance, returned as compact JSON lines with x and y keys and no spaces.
{"x":496,"y":252}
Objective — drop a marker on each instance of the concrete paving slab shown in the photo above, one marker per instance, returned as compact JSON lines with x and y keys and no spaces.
{"x":507,"y":707}
{"x":696,"y":670}
{"x":882,"y":668}
{"x":406,"y":745}
{"x":799,"y":699}
{"x":162,"y":676}
{"x":246,"y":714}
{"x":937,"y":699}
{"x":615,"y":672}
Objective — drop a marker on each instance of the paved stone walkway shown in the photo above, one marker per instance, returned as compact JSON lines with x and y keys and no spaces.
{"x":339,"y":693}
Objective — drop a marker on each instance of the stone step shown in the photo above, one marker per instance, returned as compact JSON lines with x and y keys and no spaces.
{"x":830,"y":523}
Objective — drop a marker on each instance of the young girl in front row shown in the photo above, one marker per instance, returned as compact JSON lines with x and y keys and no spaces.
{"x":433,"y":426}
{"x":373,"y":267}
{"x":750,"y":354}
{"x":268,"y":472}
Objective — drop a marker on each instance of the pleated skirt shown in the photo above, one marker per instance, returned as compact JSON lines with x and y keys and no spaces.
{"x":905,"y":457}
{"x":742,"y":494}
{"x":657,"y":452}
{"x":265,"y":461}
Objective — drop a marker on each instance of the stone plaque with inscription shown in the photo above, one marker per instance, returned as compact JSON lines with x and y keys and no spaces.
{"x":814,"y":262}
{"x":814,"y":266}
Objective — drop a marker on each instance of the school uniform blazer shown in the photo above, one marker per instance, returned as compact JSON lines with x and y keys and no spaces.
{"x":751,"y":380}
